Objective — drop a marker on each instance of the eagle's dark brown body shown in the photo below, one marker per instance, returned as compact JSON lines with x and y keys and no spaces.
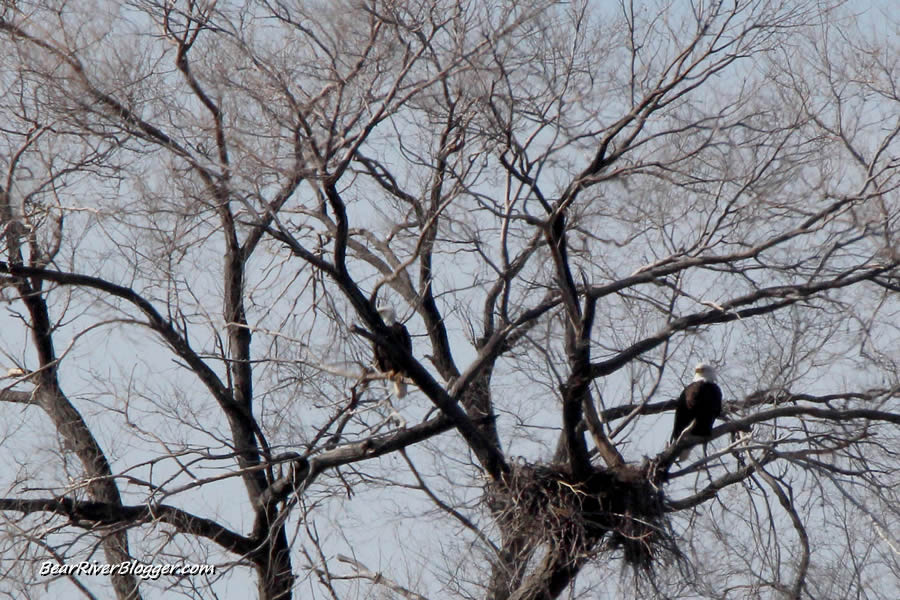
{"x":397,"y":337}
{"x":700,"y":403}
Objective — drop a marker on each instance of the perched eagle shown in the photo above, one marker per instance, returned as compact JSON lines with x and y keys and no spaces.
{"x":698,"y":406}
{"x":398,"y":336}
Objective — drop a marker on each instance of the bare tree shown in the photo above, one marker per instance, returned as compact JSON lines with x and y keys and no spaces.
{"x":568,"y":205}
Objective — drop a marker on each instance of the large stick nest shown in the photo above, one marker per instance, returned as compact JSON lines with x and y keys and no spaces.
{"x":549,"y":505}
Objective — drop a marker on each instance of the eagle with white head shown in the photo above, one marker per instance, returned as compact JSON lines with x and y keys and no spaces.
{"x":698,"y":406}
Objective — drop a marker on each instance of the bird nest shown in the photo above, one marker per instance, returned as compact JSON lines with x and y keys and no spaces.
{"x":606,"y":510}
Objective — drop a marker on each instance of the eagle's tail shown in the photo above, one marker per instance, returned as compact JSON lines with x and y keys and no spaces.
{"x":677,"y":436}
{"x":399,"y":386}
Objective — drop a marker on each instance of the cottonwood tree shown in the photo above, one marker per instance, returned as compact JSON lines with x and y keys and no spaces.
{"x":568,"y":204}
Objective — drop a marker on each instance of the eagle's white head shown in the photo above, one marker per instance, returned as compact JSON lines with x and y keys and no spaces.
{"x":387,"y":313}
{"x":705,"y":372}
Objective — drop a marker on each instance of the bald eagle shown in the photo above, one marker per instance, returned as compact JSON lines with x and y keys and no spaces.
{"x":699,"y":405}
{"x":398,"y":336}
